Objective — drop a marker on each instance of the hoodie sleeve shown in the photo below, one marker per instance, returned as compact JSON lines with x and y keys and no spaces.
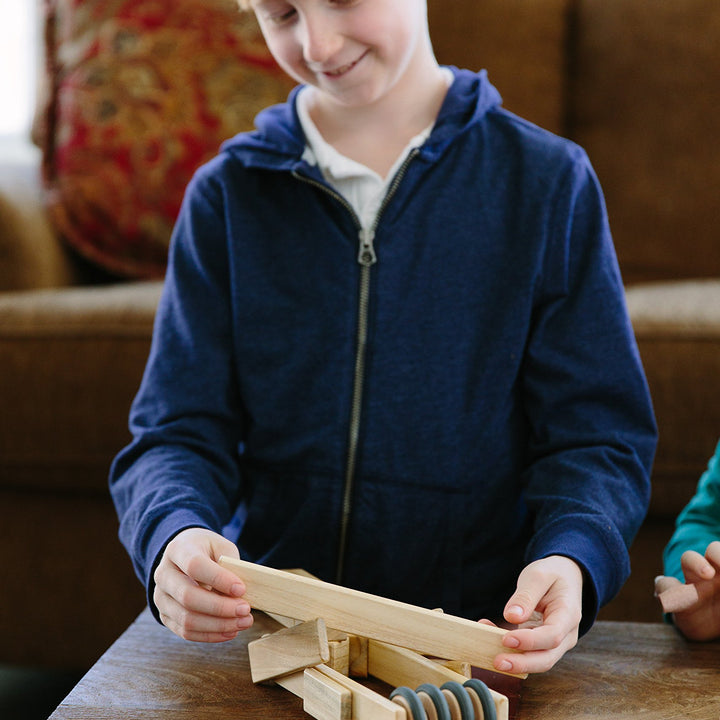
{"x":180,"y":469}
{"x":593,"y":431}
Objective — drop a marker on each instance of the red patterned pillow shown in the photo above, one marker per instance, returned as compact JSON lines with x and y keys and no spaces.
{"x":140,"y":93}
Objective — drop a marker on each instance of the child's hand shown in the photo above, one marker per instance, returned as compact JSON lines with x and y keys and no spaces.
{"x":197,"y":598}
{"x":547,"y":608}
{"x":699,"y":617}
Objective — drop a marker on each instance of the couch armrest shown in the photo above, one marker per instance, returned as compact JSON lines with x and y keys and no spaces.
{"x":31,"y":255}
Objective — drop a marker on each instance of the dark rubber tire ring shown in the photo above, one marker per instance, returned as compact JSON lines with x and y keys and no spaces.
{"x":438,"y":699}
{"x":460,"y":693}
{"x":483,"y":693}
{"x":410,"y":696}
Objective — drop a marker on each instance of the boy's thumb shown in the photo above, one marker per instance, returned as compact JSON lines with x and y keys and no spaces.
{"x":519,"y":608}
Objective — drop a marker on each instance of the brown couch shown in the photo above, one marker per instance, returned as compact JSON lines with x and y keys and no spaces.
{"x":636,"y":83}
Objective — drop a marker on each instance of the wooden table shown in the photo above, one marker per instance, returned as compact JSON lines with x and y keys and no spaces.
{"x":623,"y":671}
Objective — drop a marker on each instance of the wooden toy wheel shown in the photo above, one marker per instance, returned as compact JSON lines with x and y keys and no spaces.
{"x":408,"y":699}
{"x":434,"y":702}
{"x":480,"y":694}
{"x":461,"y":707}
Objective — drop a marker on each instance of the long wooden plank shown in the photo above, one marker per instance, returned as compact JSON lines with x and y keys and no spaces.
{"x":367,"y":615}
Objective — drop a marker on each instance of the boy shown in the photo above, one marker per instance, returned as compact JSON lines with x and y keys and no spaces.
{"x":693,"y":555}
{"x":392,"y":349}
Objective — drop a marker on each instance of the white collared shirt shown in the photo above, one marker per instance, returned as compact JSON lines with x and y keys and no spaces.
{"x":362,"y":187}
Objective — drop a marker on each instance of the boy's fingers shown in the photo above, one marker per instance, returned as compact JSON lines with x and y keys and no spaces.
{"x":194,"y":552}
{"x":196,"y":626}
{"x":206,"y":571}
{"x":559,"y":630}
{"x":548,"y":598}
{"x":532,"y":662}
{"x":539,"y":648}
{"x":552,"y":577}
{"x":522,"y":604}
{"x":196,"y":599}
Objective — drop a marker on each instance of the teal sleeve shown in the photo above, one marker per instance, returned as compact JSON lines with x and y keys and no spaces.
{"x":699,"y":522}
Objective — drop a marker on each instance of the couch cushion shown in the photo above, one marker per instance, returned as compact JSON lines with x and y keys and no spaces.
{"x":521,"y":43}
{"x":677,"y":325}
{"x":139,"y":95}
{"x":72,"y":361}
{"x":646,"y":93}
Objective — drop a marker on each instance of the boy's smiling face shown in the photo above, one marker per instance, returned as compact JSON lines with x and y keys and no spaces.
{"x":355,"y":52}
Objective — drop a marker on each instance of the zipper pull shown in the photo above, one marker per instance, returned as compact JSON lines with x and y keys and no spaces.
{"x":367,"y":255}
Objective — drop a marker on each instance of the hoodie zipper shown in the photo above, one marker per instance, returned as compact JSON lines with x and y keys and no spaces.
{"x":366,"y":258}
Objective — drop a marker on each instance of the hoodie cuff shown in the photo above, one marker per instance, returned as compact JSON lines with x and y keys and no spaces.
{"x":604,"y":569}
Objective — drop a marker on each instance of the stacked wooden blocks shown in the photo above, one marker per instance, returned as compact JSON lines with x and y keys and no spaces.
{"x":334,"y":635}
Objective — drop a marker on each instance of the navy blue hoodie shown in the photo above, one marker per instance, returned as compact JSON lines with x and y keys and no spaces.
{"x":418,"y":411}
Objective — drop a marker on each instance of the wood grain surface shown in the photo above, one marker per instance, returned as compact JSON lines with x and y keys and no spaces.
{"x":621,"y":671}
{"x":628,"y":671}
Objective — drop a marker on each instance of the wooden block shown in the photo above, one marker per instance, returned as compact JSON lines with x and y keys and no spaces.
{"x":339,"y":654}
{"x":368,"y":615}
{"x":462,"y":668}
{"x":295,"y":683}
{"x":289,"y":650}
{"x":366,"y":704}
{"x":283,"y":619}
{"x":678,"y":598}
{"x":338,"y":644}
{"x":325,"y":698}
{"x":400,"y":666}
{"x":334,"y":635}
{"x":358,"y":656}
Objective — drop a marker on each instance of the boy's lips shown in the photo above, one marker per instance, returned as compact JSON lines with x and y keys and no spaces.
{"x":343,"y":69}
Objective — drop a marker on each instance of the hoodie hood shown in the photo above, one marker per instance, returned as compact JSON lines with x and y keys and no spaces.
{"x":278,"y":140}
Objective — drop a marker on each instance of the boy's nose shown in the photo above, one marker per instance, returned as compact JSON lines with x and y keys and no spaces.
{"x":320,"y":40}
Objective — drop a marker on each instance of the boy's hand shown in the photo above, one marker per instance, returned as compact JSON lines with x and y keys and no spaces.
{"x":547,"y":608}
{"x":197,"y":598}
{"x":698,"y":619}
